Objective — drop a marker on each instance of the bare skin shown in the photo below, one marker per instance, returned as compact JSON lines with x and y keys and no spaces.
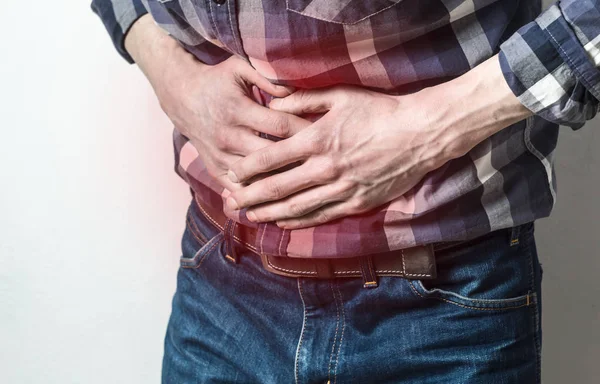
{"x":187,"y":91}
{"x":370,"y":148}
{"x":345,"y":169}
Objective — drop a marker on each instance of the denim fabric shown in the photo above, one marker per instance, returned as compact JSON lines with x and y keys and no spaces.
{"x":479,"y":321}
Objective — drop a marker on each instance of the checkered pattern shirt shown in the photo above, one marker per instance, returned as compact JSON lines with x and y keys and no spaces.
{"x":549,"y":58}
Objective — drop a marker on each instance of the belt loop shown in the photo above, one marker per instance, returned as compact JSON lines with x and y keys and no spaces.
{"x":228,"y":233}
{"x":514,"y":235}
{"x":324,"y":268}
{"x":368,"y":272}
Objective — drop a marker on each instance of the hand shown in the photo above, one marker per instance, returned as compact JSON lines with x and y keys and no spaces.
{"x":368,"y":149}
{"x":211,"y":105}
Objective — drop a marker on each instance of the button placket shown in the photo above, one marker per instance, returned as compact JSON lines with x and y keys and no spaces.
{"x":224,"y":21}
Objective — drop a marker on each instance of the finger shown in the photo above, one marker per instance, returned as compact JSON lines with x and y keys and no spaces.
{"x":306,"y":101}
{"x":224,"y":181}
{"x":252,"y":76}
{"x":265,"y":120}
{"x":300,"y":204}
{"x":277,"y":186}
{"x":320,"y":216}
{"x":272,"y":157}
{"x":246,"y":142}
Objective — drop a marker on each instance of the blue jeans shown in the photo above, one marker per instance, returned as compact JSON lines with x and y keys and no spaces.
{"x":479,"y":321}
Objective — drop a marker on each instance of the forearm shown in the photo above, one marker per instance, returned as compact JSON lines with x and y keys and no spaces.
{"x":156,"y":53}
{"x":473,"y":107}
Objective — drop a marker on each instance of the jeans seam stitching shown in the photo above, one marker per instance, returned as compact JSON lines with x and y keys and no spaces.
{"x":207,"y":252}
{"x":301,"y":332}
{"x":195,"y":231}
{"x":214,"y":222}
{"x":536,"y":315}
{"x":528,"y":303}
{"x":337,"y":327}
{"x":337,"y":357}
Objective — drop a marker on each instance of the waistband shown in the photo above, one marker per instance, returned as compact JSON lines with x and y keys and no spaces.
{"x":411,"y":263}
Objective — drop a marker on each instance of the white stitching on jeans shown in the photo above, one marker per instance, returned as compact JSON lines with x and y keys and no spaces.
{"x":410,"y":283}
{"x":301,"y":332}
{"x":337,"y":327}
{"x":214,"y":222}
{"x":342,"y":336}
{"x":304,"y":272}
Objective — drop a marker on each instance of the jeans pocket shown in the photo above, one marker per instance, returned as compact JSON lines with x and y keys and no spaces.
{"x":200,"y":238}
{"x":486,"y":273}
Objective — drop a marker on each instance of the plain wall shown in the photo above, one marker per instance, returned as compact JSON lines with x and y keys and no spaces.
{"x":92,"y":213}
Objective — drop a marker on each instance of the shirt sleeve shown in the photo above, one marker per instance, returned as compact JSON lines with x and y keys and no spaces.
{"x":118,"y":16}
{"x":552,"y":64}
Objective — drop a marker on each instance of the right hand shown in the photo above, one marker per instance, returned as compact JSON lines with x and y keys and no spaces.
{"x":212,"y":105}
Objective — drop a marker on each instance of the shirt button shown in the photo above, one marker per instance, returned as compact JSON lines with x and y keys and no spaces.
{"x":219,"y":2}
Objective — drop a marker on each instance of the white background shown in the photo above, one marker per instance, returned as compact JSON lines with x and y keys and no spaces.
{"x":91,"y":215}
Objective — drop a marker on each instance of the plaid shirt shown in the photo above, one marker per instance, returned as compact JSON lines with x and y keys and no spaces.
{"x":549,"y":59}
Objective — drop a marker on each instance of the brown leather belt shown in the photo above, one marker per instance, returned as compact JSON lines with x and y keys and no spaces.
{"x":411,"y":263}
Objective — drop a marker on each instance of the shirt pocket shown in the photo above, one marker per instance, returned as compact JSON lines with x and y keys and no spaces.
{"x":339,"y":11}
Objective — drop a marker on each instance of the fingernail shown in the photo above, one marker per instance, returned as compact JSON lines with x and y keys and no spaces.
{"x":274,"y":103}
{"x":232,"y":176}
{"x":251,"y":216}
{"x":232,"y":203}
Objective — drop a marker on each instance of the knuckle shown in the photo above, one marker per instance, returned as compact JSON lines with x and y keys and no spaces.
{"x":274,"y":190}
{"x":360,"y":204}
{"x":282,"y":126}
{"x":328,"y":170}
{"x":221,"y":141}
{"x":296,"y":209}
{"x":219,"y":162}
{"x":322,"y":217}
{"x":226,"y":142}
{"x":227,"y":114}
{"x":317,"y":145}
{"x":264,"y":159}
{"x":303,"y":96}
{"x":312,"y":145}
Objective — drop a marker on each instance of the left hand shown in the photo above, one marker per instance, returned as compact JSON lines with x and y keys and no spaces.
{"x":366,"y":150}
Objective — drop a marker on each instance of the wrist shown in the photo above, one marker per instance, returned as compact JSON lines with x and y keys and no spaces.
{"x":473,"y":107}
